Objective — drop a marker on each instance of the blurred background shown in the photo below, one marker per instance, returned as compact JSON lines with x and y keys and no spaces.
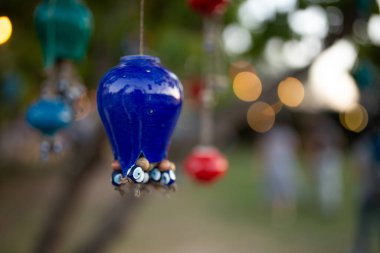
{"x":295,"y":112}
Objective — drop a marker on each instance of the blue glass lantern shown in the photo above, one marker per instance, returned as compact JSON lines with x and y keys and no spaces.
{"x":49,"y":115}
{"x":139,"y":103}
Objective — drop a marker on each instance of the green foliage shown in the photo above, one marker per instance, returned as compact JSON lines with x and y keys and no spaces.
{"x":172,"y":31}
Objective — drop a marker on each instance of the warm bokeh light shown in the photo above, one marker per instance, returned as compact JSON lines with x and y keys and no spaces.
{"x":261,"y":117}
{"x":5,"y":29}
{"x":277,"y":106}
{"x":291,"y":92}
{"x":239,"y":66}
{"x":355,"y":120}
{"x":247,"y":86}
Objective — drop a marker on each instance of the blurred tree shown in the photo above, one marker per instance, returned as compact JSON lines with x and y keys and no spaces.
{"x":173,"y":33}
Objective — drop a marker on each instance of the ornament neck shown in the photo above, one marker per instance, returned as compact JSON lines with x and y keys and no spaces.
{"x":61,"y":2}
{"x":139,"y":59}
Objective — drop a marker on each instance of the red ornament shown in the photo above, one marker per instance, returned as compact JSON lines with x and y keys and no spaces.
{"x":206,"y":164}
{"x":196,"y":90}
{"x":208,"y":7}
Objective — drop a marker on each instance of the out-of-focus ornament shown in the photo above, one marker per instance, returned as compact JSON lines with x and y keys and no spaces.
{"x":208,"y":7}
{"x":139,"y":103}
{"x":206,"y":164}
{"x":49,"y":115}
{"x":64,"y":28}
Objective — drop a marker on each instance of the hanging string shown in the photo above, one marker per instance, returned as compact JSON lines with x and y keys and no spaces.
{"x":49,"y":54}
{"x":141,"y":27}
{"x":206,"y":114}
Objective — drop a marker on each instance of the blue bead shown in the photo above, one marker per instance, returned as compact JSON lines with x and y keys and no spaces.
{"x":155,"y":175}
{"x":139,"y":103}
{"x":49,"y":115}
{"x":167,"y":178}
{"x":116,"y":178}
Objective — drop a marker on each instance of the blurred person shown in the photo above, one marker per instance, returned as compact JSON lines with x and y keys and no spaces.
{"x":279,"y":151}
{"x":326,"y":159}
{"x":367,"y":161}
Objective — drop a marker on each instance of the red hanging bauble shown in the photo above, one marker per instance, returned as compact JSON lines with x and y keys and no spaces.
{"x":206,"y":164}
{"x":196,"y":90}
{"x":208,"y":7}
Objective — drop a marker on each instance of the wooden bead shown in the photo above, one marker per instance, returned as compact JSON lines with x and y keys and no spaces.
{"x":165,"y":165}
{"x":173,"y":167}
{"x":116,"y":165}
{"x":143,"y":163}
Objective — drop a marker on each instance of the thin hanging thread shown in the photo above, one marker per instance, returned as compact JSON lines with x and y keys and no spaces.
{"x":141,"y":27}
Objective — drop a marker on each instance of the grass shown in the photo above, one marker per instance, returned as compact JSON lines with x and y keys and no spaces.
{"x":229,"y":216}
{"x":232,"y":215}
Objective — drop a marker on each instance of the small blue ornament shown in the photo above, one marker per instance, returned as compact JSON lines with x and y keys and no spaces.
{"x":139,"y":103}
{"x":155,"y":175}
{"x":168,"y":178}
{"x":49,"y":115}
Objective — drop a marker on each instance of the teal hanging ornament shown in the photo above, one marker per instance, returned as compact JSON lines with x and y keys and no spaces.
{"x":49,"y":115}
{"x":64,"y":28}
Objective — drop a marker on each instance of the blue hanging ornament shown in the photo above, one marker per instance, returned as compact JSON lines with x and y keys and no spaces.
{"x":139,"y":103}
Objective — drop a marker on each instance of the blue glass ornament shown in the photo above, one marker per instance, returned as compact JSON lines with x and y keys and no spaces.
{"x":139,"y":103}
{"x":49,"y":115}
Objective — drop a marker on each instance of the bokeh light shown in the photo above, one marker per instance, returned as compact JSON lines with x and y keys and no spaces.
{"x":261,"y":117}
{"x":291,"y":92}
{"x":252,"y":14}
{"x":331,"y":83}
{"x":335,"y":17}
{"x":247,"y":86}
{"x":355,"y":120}
{"x":273,"y":54}
{"x":237,"y":39}
{"x":312,"y":21}
{"x":239,"y":66}
{"x":300,"y":53}
{"x":5,"y":29}
{"x":359,"y":29}
{"x":373,"y":29}
{"x":277,"y":107}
